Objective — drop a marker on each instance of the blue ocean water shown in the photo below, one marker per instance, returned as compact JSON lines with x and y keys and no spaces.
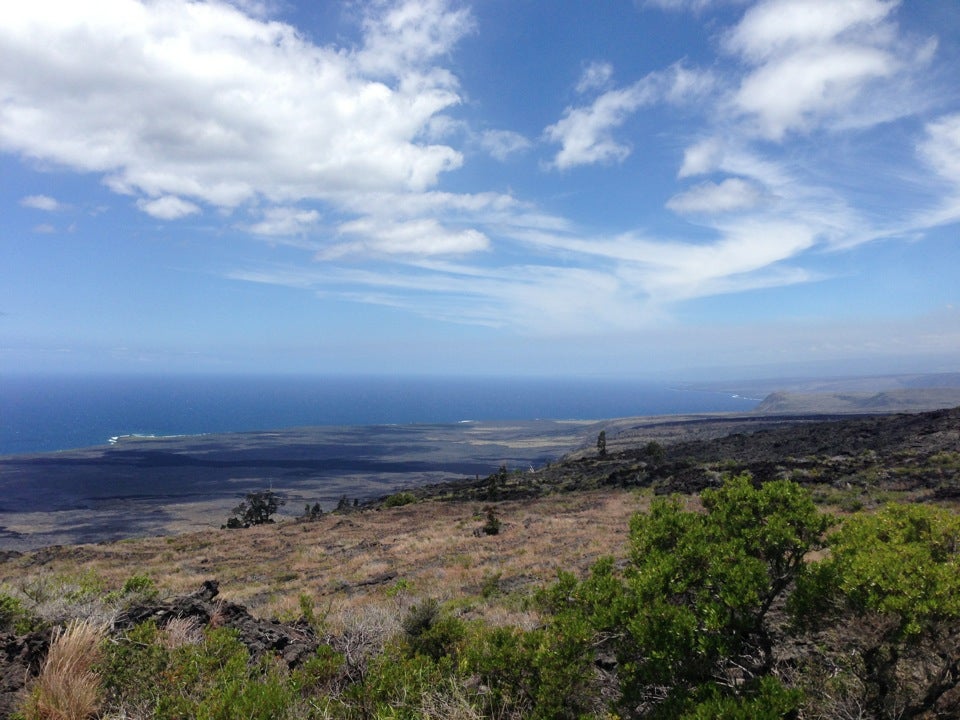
{"x":40,"y":414}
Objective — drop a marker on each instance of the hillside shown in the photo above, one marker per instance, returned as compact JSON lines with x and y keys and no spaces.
{"x":887,"y":401}
{"x":862,"y":459}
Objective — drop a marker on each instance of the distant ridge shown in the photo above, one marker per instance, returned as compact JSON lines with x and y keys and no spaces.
{"x":888,"y":401}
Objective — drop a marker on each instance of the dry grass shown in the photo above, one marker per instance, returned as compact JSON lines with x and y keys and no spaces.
{"x":181,"y":631}
{"x":68,"y":688}
{"x":346,"y":562}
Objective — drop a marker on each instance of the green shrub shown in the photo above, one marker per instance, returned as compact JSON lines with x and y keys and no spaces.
{"x":692,"y":603}
{"x":540,"y":674}
{"x":15,"y":617}
{"x":210,"y":680}
{"x":396,"y":682}
{"x":399,"y":499}
{"x":766,"y":699}
{"x":890,"y":591}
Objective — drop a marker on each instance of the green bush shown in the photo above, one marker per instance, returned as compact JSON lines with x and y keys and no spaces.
{"x":692,"y":603}
{"x":399,"y":499}
{"x":210,"y":680}
{"x":15,"y":617}
{"x":890,"y":591}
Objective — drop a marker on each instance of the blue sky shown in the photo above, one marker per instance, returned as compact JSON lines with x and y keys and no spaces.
{"x":678,"y":188}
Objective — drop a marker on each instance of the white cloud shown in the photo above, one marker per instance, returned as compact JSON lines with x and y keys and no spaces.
{"x":201,"y":102}
{"x":285,"y":222}
{"x":501,"y":144}
{"x":822,"y":81}
{"x":701,"y":157}
{"x":595,"y":76}
{"x":44,"y":229}
{"x":812,"y":62}
{"x":40,"y":202}
{"x":585,"y":133}
{"x":940,"y":149}
{"x":731,"y":194}
{"x":687,"y":5}
{"x":410,"y":34}
{"x":389,"y":236}
{"x":168,"y":207}
{"x":778,"y":26}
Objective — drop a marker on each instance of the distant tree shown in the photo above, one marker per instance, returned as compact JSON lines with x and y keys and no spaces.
{"x":602,"y":443}
{"x":654,"y":451}
{"x":496,"y":481}
{"x":256,"y":509}
{"x":312,"y":512}
{"x":343,"y":504}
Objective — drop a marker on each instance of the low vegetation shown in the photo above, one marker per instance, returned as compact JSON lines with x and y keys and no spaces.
{"x":751,"y":603}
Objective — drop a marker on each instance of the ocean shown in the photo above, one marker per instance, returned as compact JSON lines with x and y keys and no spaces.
{"x":43,"y":414}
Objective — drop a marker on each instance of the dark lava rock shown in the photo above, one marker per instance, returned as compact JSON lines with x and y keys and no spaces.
{"x":20,"y":660}
{"x":294,"y":642}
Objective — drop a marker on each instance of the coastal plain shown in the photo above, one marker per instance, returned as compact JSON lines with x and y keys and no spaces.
{"x":158,"y":486}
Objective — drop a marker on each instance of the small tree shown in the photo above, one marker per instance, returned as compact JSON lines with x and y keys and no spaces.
{"x":655,"y":452}
{"x":602,"y":443}
{"x":492,"y":525}
{"x":687,"y":618}
{"x":312,"y":512}
{"x":256,"y":509}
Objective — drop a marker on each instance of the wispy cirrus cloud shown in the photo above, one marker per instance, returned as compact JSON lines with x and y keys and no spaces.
{"x":728,"y":195}
{"x":940,"y":149}
{"x":502,"y":144}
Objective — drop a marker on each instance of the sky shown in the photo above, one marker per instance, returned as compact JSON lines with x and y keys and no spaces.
{"x":642,"y":188}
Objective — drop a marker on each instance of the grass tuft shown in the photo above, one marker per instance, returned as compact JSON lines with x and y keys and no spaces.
{"x":68,"y":687}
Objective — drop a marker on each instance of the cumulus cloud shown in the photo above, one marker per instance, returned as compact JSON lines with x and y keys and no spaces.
{"x":168,"y":207}
{"x":411,"y":34}
{"x":586,"y":133}
{"x":201,"y":102}
{"x":821,"y":81}
{"x":779,"y":26}
{"x":731,"y":194}
{"x":40,"y":202}
{"x":810,"y":61}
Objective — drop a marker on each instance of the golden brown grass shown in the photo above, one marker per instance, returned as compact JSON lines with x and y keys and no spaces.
{"x":345,"y":562}
{"x":68,"y":688}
